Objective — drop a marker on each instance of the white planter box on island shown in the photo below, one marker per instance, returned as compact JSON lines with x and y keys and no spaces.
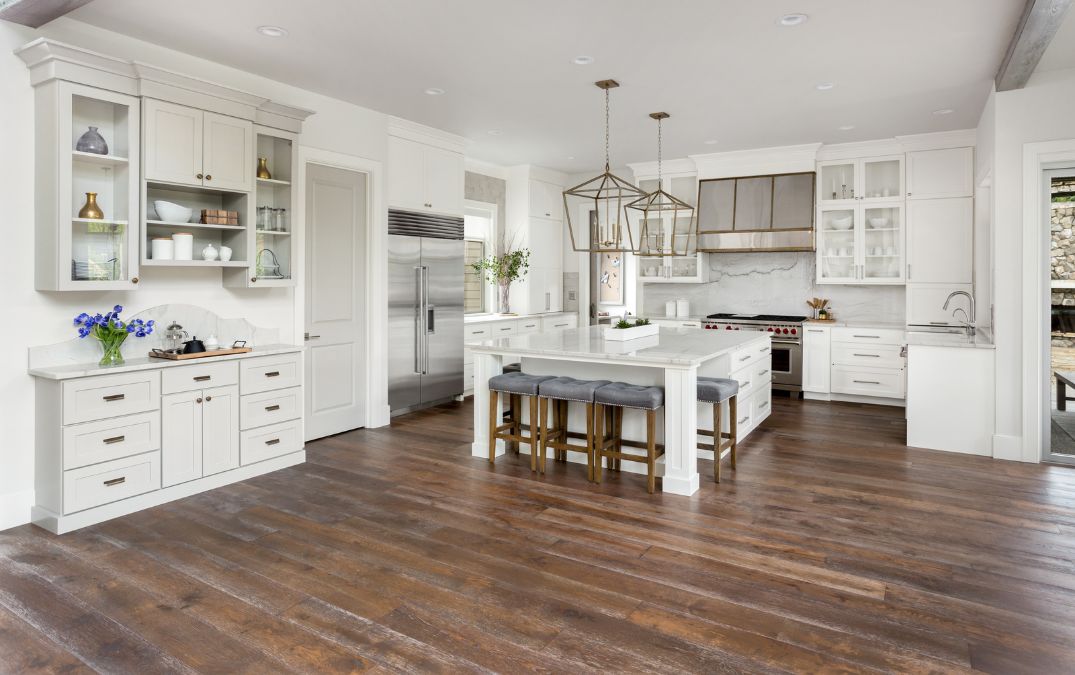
{"x":632,"y":333}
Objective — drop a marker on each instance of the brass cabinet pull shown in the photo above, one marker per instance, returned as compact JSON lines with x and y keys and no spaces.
{"x":198,"y":400}
{"x":208,"y":177}
{"x":272,"y":441}
{"x":273,"y":373}
{"x":114,"y":397}
{"x":208,"y":398}
{"x":202,"y":378}
{"x":271,"y":408}
{"x":199,"y":176}
{"x":114,"y":439}
{"x":134,"y":280}
{"x":115,"y":481}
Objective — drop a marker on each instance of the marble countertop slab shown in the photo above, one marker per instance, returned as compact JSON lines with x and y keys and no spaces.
{"x":72,"y":371}
{"x":980,"y":340}
{"x":489,"y":318}
{"x":675,"y":347}
{"x":887,"y":325}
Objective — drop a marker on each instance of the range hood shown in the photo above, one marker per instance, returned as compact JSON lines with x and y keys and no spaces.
{"x":757,"y":213}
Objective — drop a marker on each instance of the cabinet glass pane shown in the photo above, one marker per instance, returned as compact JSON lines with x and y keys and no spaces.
{"x":684,"y":266}
{"x":98,"y":250}
{"x":838,"y":181}
{"x":754,"y":203}
{"x":793,"y":201}
{"x":272,"y":221}
{"x":716,"y":205}
{"x":651,"y":268}
{"x":882,"y":178}
{"x":836,"y":242}
{"x":883,"y":242}
{"x":685,"y":188}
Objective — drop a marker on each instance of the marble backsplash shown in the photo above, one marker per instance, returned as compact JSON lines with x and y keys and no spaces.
{"x":774,"y":283}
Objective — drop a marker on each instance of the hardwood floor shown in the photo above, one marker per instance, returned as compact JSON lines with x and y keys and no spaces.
{"x":832,"y":548}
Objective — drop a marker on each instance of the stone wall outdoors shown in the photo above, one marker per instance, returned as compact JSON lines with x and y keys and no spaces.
{"x":1062,"y":256}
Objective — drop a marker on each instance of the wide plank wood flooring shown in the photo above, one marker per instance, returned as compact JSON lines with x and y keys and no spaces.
{"x":832,"y":548}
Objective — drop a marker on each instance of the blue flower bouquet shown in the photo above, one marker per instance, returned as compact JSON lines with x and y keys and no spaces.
{"x":110,"y":331}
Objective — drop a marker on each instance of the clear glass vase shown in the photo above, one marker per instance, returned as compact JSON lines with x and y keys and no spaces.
{"x":505,"y":307}
{"x":113,"y":356}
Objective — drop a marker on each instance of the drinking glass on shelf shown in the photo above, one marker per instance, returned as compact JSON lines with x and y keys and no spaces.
{"x":263,"y":218}
{"x":280,"y":221}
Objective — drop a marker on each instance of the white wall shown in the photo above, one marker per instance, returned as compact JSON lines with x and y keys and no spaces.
{"x":43,"y":318}
{"x":1039,"y":112}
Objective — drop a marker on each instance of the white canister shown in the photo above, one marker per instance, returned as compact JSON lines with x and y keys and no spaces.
{"x":225,"y":253}
{"x":184,"y":245}
{"x":683,"y":308}
{"x":670,"y":309}
{"x":161,"y":249}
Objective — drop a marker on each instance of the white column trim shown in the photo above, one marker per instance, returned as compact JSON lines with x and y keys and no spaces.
{"x":485,"y":367}
{"x":680,"y":431}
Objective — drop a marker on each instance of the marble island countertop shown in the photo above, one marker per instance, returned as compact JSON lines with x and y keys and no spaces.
{"x":76,"y":370}
{"x":670,"y":347}
{"x":983,"y":339}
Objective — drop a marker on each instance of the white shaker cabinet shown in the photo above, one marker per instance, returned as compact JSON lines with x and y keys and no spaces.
{"x":200,"y":433}
{"x":933,"y":174}
{"x":424,"y":177}
{"x":546,"y":200}
{"x":220,"y":422}
{"x":194,"y":147}
{"x":940,"y":240}
{"x":816,"y":358}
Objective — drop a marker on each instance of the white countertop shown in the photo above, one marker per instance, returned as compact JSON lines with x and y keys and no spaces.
{"x":488,"y":318}
{"x":670,"y":347}
{"x":69,"y":372}
{"x":887,"y":325}
{"x":980,"y":340}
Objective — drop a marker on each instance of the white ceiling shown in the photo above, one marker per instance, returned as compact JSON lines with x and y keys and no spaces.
{"x":724,"y":69}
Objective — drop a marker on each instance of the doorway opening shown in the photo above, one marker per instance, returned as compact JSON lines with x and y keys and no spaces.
{"x":1060,"y":196}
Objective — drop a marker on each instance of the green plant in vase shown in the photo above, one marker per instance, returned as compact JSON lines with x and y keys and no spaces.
{"x":111,"y":332}
{"x":504,"y":269}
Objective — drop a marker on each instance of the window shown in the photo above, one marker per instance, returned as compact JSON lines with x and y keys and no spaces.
{"x":473,"y":283}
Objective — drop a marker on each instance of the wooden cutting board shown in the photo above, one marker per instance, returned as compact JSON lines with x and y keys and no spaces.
{"x":200,"y":355}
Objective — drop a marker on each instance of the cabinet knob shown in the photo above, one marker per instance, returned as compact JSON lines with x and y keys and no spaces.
{"x":208,"y":398}
{"x":208,"y":177}
{"x":134,"y":280}
{"x":199,"y":176}
{"x":253,"y":280}
{"x":198,"y":400}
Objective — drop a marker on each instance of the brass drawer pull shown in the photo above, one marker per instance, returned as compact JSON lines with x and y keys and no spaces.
{"x":202,"y":378}
{"x":273,"y":441}
{"x":114,"y":439}
{"x":273,"y":407}
{"x":114,"y":397}
{"x":115,"y":481}
{"x":273,"y":373}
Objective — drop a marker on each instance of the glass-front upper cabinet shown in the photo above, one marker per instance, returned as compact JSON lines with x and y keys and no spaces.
{"x":671,"y":268}
{"x":882,"y":243}
{"x":861,"y":244}
{"x":87,"y":185}
{"x":866,"y":179}
{"x":838,"y":245}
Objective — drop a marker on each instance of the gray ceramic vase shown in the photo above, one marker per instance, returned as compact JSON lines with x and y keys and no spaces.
{"x":91,"y":141}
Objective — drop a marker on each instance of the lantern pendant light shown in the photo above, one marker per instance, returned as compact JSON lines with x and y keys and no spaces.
{"x":665,"y":223}
{"x":608,"y":229}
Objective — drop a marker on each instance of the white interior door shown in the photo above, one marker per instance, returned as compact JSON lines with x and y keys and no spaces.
{"x":336,"y":222}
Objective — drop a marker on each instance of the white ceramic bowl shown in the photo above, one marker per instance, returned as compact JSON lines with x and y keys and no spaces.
{"x":841,"y":223}
{"x":878,"y":223}
{"x":173,"y":213}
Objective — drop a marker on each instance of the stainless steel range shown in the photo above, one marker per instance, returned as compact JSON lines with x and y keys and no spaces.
{"x":787,"y":333}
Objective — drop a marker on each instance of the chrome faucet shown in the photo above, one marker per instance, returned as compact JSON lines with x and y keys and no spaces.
{"x":969,"y":323}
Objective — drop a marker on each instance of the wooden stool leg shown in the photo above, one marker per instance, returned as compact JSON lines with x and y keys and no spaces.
{"x":718,"y":422}
{"x":599,"y":440}
{"x":564,"y":414}
{"x":589,"y":442}
{"x":534,"y":433}
{"x":609,"y":422}
{"x":516,"y":420}
{"x":543,"y":421}
{"x":734,"y":427}
{"x":494,"y":422}
{"x":651,"y":450}
{"x":619,"y":435}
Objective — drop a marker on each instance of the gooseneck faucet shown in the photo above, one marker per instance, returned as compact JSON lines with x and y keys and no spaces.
{"x":969,"y":323}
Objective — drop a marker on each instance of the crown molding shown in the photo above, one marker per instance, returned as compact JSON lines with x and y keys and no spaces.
{"x":961,"y":138}
{"x":484,"y":168}
{"x":757,"y":162}
{"x":877,"y":148}
{"x":669,"y":167}
{"x":401,"y":128}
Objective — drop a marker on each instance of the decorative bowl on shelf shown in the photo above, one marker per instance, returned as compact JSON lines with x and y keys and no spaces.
{"x":841,"y":223}
{"x":173,"y":213}
{"x":878,"y":223}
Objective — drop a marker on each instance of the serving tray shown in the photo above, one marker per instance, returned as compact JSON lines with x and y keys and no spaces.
{"x":200,"y":355}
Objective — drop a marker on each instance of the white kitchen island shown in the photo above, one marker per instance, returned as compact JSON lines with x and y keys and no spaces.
{"x":673,"y":359}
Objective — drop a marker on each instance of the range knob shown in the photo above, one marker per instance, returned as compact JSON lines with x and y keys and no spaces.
{"x":727,"y":328}
{"x":785,"y":331}
{"x":770,"y":329}
{"x":793,"y":331}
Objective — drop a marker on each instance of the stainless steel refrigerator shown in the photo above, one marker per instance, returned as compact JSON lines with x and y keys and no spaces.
{"x":425,"y":310}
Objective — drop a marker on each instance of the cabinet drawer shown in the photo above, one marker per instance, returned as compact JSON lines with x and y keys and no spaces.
{"x":880,"y":336}
{"x":879,"y":356}
{"x":750,"y":354}
{"x":100,"y":484}
{"x":560,"y":322}
{"x":502,"y":329}
{"x":105,"y":440}
{"x":527,"y":326}
{"x":270,"y":372}
{"x":868,"y":381}
{"x":95,"y":398}
{"x":476,"y":332}
{"x":199,"y":376}
{"x":263,"y":443}
{"x":257,"y":410}
{"x":747,"y":377}
{"x":760,"y":405}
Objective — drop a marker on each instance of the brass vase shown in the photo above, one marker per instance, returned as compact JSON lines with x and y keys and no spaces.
{"x":263,"y":168}
{"x":91,"y":210}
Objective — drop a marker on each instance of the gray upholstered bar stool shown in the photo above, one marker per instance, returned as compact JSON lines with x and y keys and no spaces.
{"x":717,"y":390}
{"x":509,"y":412}
{"x":611,"y":400}
{"x":515,"y":386}
{"x":561,"y":391}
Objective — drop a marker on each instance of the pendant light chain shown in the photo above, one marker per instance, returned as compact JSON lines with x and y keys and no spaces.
{"x":658,"y":152}
{"x":606,"y":130}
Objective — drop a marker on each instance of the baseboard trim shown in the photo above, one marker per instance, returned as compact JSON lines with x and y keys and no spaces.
{"x":1009,"y":448}
{"x":15,"y":509}
{"x":855,"y":398}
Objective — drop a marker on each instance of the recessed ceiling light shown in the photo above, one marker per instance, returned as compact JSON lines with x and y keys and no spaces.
{"x":272,"y":31}
{"x":494,"y":132}
{"x":571,"y":157}
{"x":435,"y":91}
{"x":943,"y":111}
{"x":824,"y":86}
{"x":795,"y":19}
{"x":582,"y":60}
{"x":710,"y":142}
{"x":847,"y":127}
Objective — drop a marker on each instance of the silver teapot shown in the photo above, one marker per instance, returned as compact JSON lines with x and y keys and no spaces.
{"x":174,"y":337}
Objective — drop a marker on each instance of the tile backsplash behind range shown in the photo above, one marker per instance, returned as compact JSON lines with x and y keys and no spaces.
{"x":774,"y":283}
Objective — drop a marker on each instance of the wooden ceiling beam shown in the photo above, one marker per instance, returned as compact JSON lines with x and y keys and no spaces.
{"x":1039,"y":23}
{"x":36,"y":13}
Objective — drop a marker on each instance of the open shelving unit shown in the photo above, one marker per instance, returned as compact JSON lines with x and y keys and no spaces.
{"x":196,"y":198}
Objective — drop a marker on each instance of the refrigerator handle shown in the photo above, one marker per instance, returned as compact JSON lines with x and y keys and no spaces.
{"x":419,"y":337}
{"x":427,"y":320}
{"x":431,"y":327}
